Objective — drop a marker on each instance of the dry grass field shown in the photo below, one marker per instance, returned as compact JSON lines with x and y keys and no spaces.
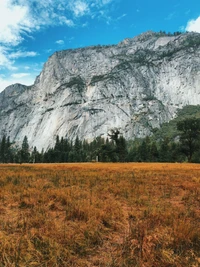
{"x":108,"y":215}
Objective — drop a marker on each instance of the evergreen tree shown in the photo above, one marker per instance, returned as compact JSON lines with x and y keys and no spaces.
{"x":56,"y":153}
{"x":25,"y":155}
{"x":154,"y":154}
{"x":107,"y":152}
{"x":121,"y":149}
{"x":35,"y":156}
{"x":77,"y":150}
{"x":3,"y":149}
{"x":143,"y":152}
{"x":164,"y":151}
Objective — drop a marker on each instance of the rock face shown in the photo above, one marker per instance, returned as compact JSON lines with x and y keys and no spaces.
{"x":134,"y":86}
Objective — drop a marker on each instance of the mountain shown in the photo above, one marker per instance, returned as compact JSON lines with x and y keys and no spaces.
{"x":135,"y":86}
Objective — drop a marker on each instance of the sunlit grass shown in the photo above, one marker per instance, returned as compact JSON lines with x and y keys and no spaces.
{"x":100,"y":215}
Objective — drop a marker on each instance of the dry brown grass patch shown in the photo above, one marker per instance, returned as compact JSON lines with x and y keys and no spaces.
{"x":100,"y":215}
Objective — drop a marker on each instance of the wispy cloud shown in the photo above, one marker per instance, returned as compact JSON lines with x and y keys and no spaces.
{"x":20,"y":54}
{"x":5,"y":61}
{"x":64,"y":21}
{"x":105,"y":2}
{"x":20,"y":75}
{"x":79,"y":8}
{"x":193,"y":25}
{"x":13,"y":21}
{"x":70,"y":39}
{"x":8,"y":57}
{"x":60,"y":42}
{"x":122,"y":16}
{"x":171,"y":16}
{"x":21,"y":17}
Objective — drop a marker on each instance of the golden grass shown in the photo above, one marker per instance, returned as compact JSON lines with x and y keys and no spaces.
{"x":117,"y":215}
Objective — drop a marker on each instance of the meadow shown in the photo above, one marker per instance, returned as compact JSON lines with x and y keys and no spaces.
{"x":95,"y":214}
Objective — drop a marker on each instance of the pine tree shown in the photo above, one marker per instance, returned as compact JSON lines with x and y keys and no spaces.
{"x":25,"y":155}
{"x":3,"y":149}
{"x":121,"y":149}
{"x":77,"y":150}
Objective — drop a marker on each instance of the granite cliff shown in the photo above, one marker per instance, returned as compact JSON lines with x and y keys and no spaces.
{"x":135,"y":86}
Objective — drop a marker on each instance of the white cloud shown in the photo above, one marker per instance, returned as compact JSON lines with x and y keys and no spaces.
{"x":65,"y":21}
{"x":21,"y":17}
{"x":193,"y":25}
{"x":20,"y":75}
{"x":13,"y":21}
{"x":101,"y":2}
{"x":121,"y":17}
{"x":170,"y":16}
{"x":79,"y":8}
{"x":5,"y":62}
{"x":90,"y":8}
{"x":85,"y":24}
{"x":60,"y":42}
{"x":7,"y":57}
{"x":105,"y":2}
{"x":20,"y":54}
{"x":48,"y":50}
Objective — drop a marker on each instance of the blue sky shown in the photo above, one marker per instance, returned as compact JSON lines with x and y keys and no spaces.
{"x":32,"y":30}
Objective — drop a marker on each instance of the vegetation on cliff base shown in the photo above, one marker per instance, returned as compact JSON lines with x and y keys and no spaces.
{"x":176,"y":141}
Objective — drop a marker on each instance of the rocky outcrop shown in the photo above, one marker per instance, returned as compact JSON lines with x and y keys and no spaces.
{"x":134,"y":86}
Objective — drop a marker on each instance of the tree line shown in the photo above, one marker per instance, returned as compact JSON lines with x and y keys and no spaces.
{"x":186,"y":147}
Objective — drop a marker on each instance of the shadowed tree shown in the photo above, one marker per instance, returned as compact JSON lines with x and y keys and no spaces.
{"x":189,"y":136}
{"x":3,"y":149}
{"x":25,"y":155}
{"x":120,"y":142}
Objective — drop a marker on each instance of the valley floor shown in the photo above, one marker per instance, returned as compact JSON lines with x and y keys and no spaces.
{"x":100,"y":214}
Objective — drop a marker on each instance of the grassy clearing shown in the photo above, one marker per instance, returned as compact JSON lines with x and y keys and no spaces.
{"x":117,"y":215}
